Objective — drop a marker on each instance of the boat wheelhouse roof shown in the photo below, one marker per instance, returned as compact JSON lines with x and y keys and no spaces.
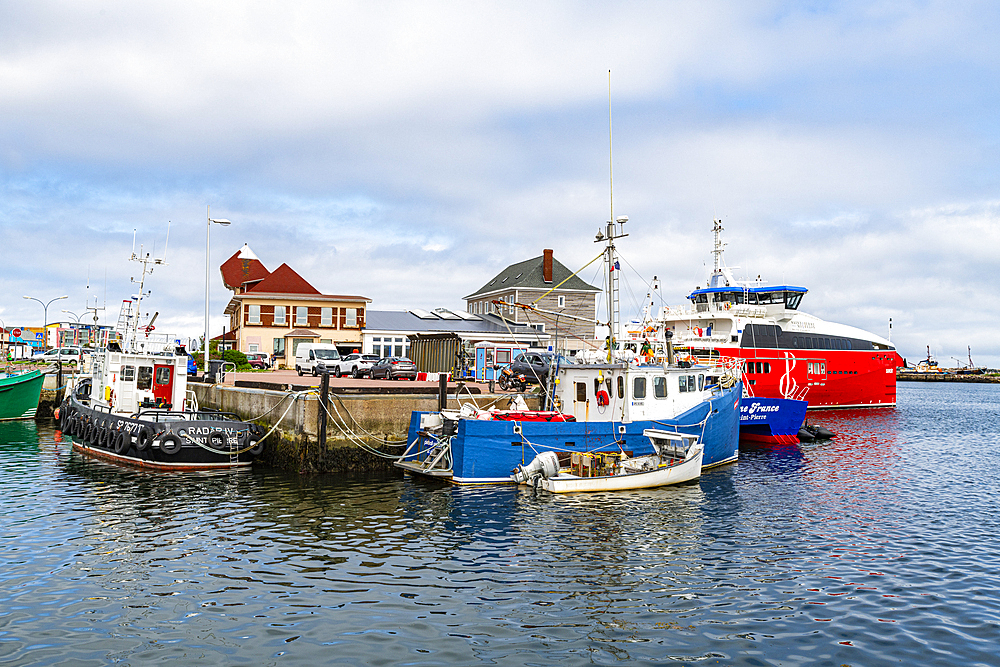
{"x":750,"y":290}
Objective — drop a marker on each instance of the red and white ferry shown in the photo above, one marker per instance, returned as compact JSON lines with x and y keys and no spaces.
{"x":788,"y":353}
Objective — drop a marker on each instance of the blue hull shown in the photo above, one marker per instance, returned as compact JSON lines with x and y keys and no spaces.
{"x":771,"y":419}
{"x":486,"y":452}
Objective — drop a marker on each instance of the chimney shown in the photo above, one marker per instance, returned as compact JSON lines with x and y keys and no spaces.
{"x":547,"y":266}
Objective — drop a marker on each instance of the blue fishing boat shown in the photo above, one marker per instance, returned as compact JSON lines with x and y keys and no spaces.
{"x":592,"y":408}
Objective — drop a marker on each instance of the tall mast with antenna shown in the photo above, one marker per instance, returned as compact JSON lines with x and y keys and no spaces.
{"x":609,"y":235}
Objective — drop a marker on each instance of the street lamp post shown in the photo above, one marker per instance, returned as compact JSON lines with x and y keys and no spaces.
{"x":45,"y":323}
{"x":70,"y":312}
{"x":208,"y":228}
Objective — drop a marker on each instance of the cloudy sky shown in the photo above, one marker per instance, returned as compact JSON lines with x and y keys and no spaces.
{"x":409,"y":151}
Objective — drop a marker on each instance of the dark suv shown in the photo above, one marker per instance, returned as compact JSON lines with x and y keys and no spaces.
{"x":535,"y":366}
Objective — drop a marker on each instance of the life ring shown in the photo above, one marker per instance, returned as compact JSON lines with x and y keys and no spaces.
{"x":170,"y":444}
{"x":120,"y":441}
{"x":603,"y":399}
{"x":143,"y":438}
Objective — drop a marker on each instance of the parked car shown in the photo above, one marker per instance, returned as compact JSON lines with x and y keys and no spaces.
{"x":67,"y":355}
{"x":393,"y":368}
{"x":257,"y":360}
{"x":356,"y":365}
{"x":310,"y":356}
{"x":534,"y":366}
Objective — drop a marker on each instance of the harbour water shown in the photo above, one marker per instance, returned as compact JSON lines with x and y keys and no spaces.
{"x":879,"y":547}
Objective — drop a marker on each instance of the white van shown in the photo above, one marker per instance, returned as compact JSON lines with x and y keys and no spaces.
{"x":309,"y":357}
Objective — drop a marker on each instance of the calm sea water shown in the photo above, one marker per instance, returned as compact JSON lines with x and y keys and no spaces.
{"x":879,"y":547}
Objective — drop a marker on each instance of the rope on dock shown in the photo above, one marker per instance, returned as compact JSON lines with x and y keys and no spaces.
{"x":354,"y":438}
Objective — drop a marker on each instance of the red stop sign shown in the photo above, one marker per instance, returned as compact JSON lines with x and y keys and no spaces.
{"x":16,"y":333}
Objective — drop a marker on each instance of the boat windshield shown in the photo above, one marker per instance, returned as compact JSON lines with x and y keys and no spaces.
{"x":792,"y":300}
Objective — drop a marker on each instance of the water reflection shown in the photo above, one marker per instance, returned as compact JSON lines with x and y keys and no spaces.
{"x":843,"y":552}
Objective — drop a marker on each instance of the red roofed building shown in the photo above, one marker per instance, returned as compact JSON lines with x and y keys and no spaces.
{"x":275,"y":311}
{"x":243,"y":270}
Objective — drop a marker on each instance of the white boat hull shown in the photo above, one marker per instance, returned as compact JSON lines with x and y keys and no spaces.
{"x":685,"y":471}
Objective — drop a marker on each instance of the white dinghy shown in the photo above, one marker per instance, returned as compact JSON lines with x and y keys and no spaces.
{"x":677,"y":459}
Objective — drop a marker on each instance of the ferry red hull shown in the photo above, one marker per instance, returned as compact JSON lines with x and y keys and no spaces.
{"x":824,"y":378}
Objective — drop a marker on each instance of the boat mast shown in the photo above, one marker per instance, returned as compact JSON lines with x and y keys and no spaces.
{"x":131,"y":333}
{"x":609,"y":236}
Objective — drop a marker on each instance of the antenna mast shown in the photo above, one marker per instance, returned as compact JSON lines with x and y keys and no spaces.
{"x":609,"y":235}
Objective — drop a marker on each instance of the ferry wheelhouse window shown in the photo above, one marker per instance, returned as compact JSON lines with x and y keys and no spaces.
{"x":326,"y":317}
{"x":581,"y":392}
{"x":279,"y":315}
{"x":302,"y":315}
{"x":792,"y":300}
{"x":145,"y":378}
{"x":163,"y":375}
{"x":128,"y":373}
{"x":253,"y":314}
{"x":639,"y":387}
{"x":660,"y":386}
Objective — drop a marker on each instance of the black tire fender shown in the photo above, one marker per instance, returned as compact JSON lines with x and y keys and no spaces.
{"x":121,"y":441}
{"x":217,"y":440}
{"x":143,"y":438}
{"x":170,"y":443}
{"x":257,"y":449}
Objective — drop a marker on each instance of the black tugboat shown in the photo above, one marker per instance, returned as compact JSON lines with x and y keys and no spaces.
{"x":135,"y":407}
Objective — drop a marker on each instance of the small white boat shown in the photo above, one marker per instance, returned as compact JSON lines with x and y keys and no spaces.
{"x":677,"y":459}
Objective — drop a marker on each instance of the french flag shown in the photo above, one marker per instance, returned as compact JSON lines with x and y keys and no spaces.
{"x":615,"y":267}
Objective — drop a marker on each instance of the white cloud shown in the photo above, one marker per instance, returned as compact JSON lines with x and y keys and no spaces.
{"x":407,"y":152}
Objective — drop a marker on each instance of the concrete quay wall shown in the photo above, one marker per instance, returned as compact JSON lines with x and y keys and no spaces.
{"x":379,"y":422}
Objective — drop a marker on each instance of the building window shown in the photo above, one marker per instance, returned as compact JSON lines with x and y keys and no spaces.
{"x":377,"y":350}
{"x":253,"y":317}
{"x":279,"y":315}
{"x":326,"y":317}
{"x":350,"y":317}
{"x":399,"y":347}
{"x":253,"y":347}
{"x":279,"y":347}
{"x":301,"y":316}
{"x":562,"y":302}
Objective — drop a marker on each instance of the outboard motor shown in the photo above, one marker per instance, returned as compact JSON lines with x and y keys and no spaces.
{"x":544,"y":465}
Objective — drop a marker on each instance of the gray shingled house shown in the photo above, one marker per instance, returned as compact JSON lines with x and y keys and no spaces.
{"x":525,"y":282}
